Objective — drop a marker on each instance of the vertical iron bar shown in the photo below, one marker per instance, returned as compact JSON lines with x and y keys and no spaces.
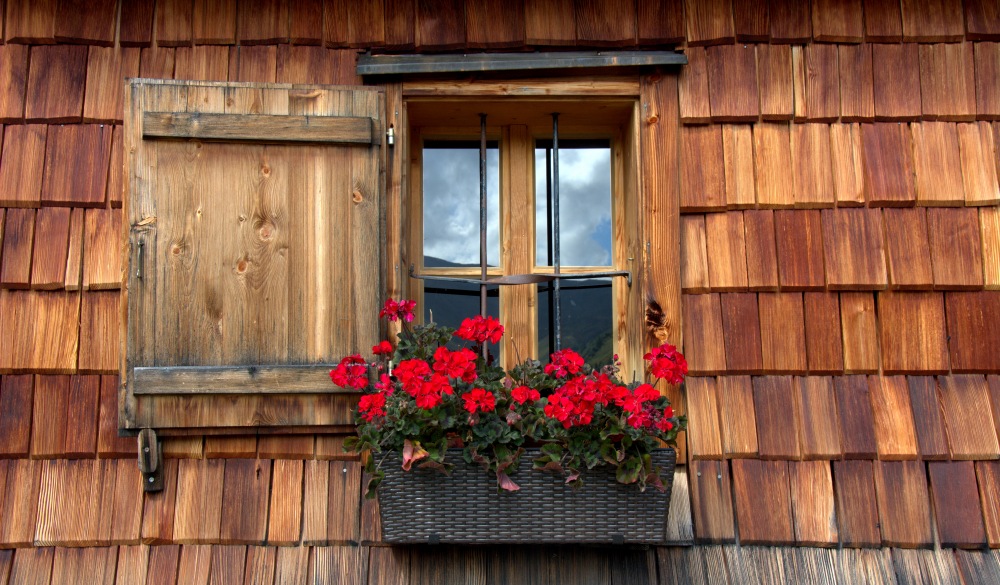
{"x":555,"y":228}
{"x":548,"y":243}
{"x":482,"y":219}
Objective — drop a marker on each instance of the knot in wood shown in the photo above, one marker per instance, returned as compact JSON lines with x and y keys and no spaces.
{"x":265,"y":170}
{"x":175,"y":249}
{"x":358,"y":197}
{"x":241,"y":266}
{"x":652,"y":119}
{"x":266,"y":231}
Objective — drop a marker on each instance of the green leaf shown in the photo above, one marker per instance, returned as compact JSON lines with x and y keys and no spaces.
{"x":628,"y":471}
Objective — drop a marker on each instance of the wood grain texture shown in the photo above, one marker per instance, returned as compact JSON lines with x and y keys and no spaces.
{"x":550,"y":22}
{"x":18,"y":239}
{"x":799,"y":237}
{"x":854,"y":249}
{"x":965,"y":402}
{"x":22,"y":164}
{"x":822,"y":83}
{"x":285,"y":512}
{"x":21,"y":502}
{"x":343,"y":521}
{"x":838,"y":21}
{"x":198,"y":502}
{"x":158,"y":511}
{"x":213,"y":22}
{"x":895,"y":432}
{"x":305,"y":22}
{"x":307,"y":65}
{"x":857,"y":434}
{"x":87,"y":22}
{"x":857,"y":510}
{"x":109,"y":444}
{"x":846,"y":157}
{"x":820,"y":421}
{"x":711,"y":501}
{"x":813,"y":172}
{"x":704,"y":439}
{"x":726,"y":251}
{"x":933,"y":21}
{"x":989,"y":224}
{"x":106,"y":70}
{"x":814,"y":518}
{"x":660,"y":21}
{"x":763,"y":501}
{"x":888,"y":164}
{"x":263,"y":22}
{"x":102,"y":249}
{"x":762,"y":257}
{"x":987,"y":65}
{"x":16,"y":401}
{"x":908,"y":248}
{"x":157,"y":62}
{"x":76,"y":165}
{"x":857,"y":93}
{"x":602,"y":23}
{"x":693,"y":92}
{"x":316,"y":489}
{"x":39,"y":319}
{"x":703,"y":174}
{"x":971,"y":333}
{"x":703,"y":339}
{"x":33,"y":565}
{"x":824,"y":341}
{"x":956,"y":504}
{"x":284,"y":128}
{"x":203,"y":62}
{"x":947,"y":82}
{"x":778,"y":423}
{"x":31,"y":22}
{"x":98,"y":563}
{"x":897,"y":87}
{"x":741,"y":333}
{"x":116,"y":171}
{"x":174,"y":22}
{"x":979,"y":171}
{"x":739,"y":420}
{"x":903,"y":503}
{"x":737,"y":147}
{"x":773,"y":163}
{"x":883,"y":21}
{"x":99,"y":332}
{"x":440,"y":24}
{"x":136,"y":23}
{"x":709,"y":22}
{"x":13,"y":81}
{"x":782,"y":333}
{"x":501,"y":24}
{"x":931,"y":436}
{"x":988,"y":476}
{"x":228,"y":563}
{"x":260,"y":564}
{"x":694,"y":254}
{"x":83,"y":403}
{"x":981,"y":18}
{"x":774,"y":76}
{"x":937,"y":163}
{"x":956,"y":249}
{"x":790,"y":21}
{"x":751,"y":20}
{"x":49,"y":416}
{"x":913,"y":332}
{"x":56,"y":82}
{"x":732,"y":83}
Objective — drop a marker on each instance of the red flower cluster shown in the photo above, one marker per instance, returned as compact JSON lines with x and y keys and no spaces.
{"x":351,"y":372}
{"x":383,"y":348}
{"x":667,"y":363}
{"x":419,"y":382}
{"x":564,"y":363}
{"x":398,"y":310}
{"x":480,"y":328}
{"x":456,"y":364}
{"x":642,"y":413}
{"x":372,"y":405}
{"x":479,"y":399}
{"x":573,"y":403}
{"x":523,"y":394}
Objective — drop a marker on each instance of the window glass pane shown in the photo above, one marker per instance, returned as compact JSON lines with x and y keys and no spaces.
{"x":584,"y":202}
{"x":586,"y":320}
{"x":451,"y":203}
{"x":448,"y":303}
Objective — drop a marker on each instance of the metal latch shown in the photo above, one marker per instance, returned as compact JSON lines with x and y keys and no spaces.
{"x":150,"y":461}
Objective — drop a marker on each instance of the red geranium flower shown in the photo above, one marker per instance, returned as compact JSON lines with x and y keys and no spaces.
{"x":479,"y":399}
{"x":480,"y":329}
{"x":456,"y":364}
{"x":523,"y":394}
{"x":398,"y":310}
{"x":372,"y":405}
{"x":667,"y":363}
{"x":351,"y":372}
{"x":383,"y":348}
{"x":411,"y":374}
{"x":564,"y":362}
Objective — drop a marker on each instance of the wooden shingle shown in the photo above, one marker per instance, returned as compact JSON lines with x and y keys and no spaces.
{"x":763,"y":501}
{"x":820,"y":421}
{"x":858,"y":424}
{"x":32,"y":565}
{"x":16,"y":400}
{"x":930,"y":21}
{"x":979,"y":169}
{"x":48,"y":265}
{"x":903,"y":503}
{"x":762,"y":258}
{"x":857,"y":510}
{"x":895,"y":432}
{"x":712,"y":503}
{"x":971,"y":331}
{"x":173,"y":22}
{"x":230,"y":447}
{"x":440,"y":24}
{"x":107,"y":69}
{"x":775,"y":400}
{"x":263,"y":22}
{"x":737,"y":149}
{"x":20,"y":502}
{"x":349,"y":24}
{"x":709,"y":22}
{"x":947,"y":82}
{"x":213,"y":22}
{"x":97,"y":563}
{"x":822,"y":83}
{"x":704,"y":440}
{"x":694,"y":254}
{"x":750,"y":21}
{"x":908,"y":248}
{"x":790,"y":21}
{"x":13,"y":81}
{"x":897,"y":87}
{"x":846,"y":157}
{"x":773,"y":163}
{"x":76,"y":165}
{"x":158,"y":508}
{"x":741,"y":332}
{"x":799,"y":236}
{"x":204,"y":62}
{"x":703,"y":339}
{"x":109,"y":444}
{"x":982,"y":19}
{"x":987,"y":64}
{"x":888,"y":164}
{"x":837,"y":21}
{"x":31,"y":21}
{"x":133,"y":562}
{"x":86,"y":21}
{"x":732,"y":83}
{"x":693,"y":87}
{"x":813,"y":514}
{"x":198,"y":504}
{"x":18,"y":238}
{"x":126,"y":513}
{"x":157,"y":62}
{"x":726,"y":251}
{"x":965,"y":402}
{"x":21,"y":165}
{"x":857,"y":97}
{"x":99,"y":332}
{"x":774,"y":76}
{"x":56,"y":82}
{"x":136,"y":26}
{"x":116,"y":170}
{"x":315,"y":501}
{"x":49,"y":416}
{"x":285,"y":512}
{"x":82,"y":410}
{"x":782,"y":333}
{"x":660,"y":21}
{"x":703,"y":175}
{"x":305,"y":23}
{"x":260,"y":564}
{"x":598,"y":22}
{"x":345,"y":497}
{"x":913,"y":332}
{"x":229,"y":563}
{"x":956,"y":504}
{"x":824,"y":341}
{"x":956,"y":249}
{"x":194,"y":564}
{"x":989,"y":225}
{"x":883,"y":21}
{"x":853,"y":247}
{"x":988,"y":476}
{"x":244,"y":501}
{"x":937,"y":163}
{"x":287,"y":447}
{"x":39,"y":319}
{"x":813,"y":176}
{"x":547,"y":23}
{"x":931,"y":436}
{"x":739,"y":420}
{"x":102,"y":249}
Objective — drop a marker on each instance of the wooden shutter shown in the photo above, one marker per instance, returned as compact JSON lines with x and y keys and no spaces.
{"x":253,"y":237}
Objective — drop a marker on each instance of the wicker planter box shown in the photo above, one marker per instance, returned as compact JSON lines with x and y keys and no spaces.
{"x":426,"y":506}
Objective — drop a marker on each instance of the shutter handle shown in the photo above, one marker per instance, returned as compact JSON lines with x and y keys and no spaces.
{"x":138,"y":268}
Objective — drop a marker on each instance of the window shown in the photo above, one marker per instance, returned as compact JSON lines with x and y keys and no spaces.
{"x":597,"y":195}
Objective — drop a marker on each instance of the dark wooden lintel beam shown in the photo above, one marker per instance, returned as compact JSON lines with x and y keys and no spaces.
{"x":369,"y":64}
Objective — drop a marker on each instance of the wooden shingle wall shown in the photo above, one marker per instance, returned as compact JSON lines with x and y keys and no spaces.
{"x":840,"y":269}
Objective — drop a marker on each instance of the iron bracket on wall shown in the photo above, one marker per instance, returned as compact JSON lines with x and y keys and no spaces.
{"x":150,"y":461}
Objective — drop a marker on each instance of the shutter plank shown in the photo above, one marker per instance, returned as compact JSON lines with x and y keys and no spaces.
{"x":276,"y":379}
{"x":318,"y":129}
